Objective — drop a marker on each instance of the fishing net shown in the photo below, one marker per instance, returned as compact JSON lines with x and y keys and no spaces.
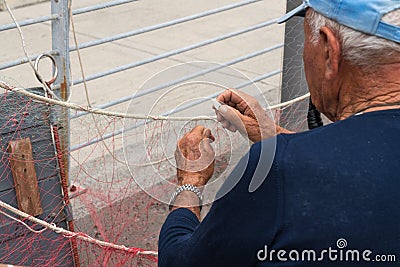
{"x":105,"y":173}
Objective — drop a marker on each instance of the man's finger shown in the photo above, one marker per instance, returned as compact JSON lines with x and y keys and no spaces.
{"x":232,"y":128}
{"x":207,"y":153}
{"x":232,"y":97}
{"x":219,"y":117}
{"x":238,"y":96}
{"x":224,"y":96}
{"x":198,"y":130}
{"x":207,"y":134}
{"x":233,"y":116}
{"x":226,"y":124}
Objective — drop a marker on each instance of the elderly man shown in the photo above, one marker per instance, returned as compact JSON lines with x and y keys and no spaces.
{"x":331,"y":196}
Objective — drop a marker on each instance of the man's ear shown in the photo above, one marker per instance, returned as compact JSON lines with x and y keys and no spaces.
{"x":332,"y":52}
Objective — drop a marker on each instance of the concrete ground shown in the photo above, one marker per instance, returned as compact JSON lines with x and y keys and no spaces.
{"x":137,"y":15}
{"x":96,"y":167}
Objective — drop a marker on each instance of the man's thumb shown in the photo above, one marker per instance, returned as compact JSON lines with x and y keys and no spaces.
{"x":233,"y":116}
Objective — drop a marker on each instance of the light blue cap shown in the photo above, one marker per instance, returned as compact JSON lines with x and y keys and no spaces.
{"x":361,"y":15}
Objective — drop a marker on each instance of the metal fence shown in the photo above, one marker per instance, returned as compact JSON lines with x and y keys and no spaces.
{"x":61,"y":47}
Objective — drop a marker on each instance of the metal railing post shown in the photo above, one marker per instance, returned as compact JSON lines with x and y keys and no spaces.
{"x":60,"y":43}
{"x":61,"y":129}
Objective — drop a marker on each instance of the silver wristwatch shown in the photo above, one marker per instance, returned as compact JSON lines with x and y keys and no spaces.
{"x":186,"y":187}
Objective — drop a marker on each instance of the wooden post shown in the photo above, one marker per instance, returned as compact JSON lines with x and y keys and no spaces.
{"x":24,"y":174}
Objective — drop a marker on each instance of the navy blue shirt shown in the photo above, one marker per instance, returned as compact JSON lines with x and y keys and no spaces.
{"x":332,"y":196}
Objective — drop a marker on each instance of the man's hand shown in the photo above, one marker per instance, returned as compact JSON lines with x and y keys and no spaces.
{"x":195,"y":157}
{"x":242,"y":112}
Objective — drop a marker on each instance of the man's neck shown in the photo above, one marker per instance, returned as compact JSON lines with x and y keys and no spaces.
{"x":369,"y":92}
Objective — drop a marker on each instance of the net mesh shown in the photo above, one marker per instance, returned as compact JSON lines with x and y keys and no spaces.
{"x":22,"y":241}
{"x":121,"y":170}
{"x":293,"y":79}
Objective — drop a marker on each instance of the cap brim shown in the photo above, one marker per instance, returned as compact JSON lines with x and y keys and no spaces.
{"x":299,"y":11}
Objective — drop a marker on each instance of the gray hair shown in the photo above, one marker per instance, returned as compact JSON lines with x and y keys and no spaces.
{"x":360,"y":49}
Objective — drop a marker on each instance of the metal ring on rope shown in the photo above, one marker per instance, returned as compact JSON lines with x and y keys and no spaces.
{"x":55,"y":69}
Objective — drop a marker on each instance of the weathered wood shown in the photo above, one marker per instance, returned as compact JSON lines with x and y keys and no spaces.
{"x":25,"y":180}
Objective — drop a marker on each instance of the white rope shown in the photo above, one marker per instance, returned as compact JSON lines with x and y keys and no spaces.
{"x":66,"y":233}
{"x":24,"y":224}
{"x":93,"y":110}
{"x":290,"y":102}
{"x":73,"y":106}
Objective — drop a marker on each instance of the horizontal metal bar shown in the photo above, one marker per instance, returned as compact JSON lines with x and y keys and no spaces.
{"x":116,"y":37}
{"x":174,"y":52}
{"x":52,"y":17}
{"x":161,"y":25}
{"x":181,"y":108}
{"x":259,"y":78}
{"x":24,"y":60}
{"x":172,"y":83}
{"x":101,"y":6}
{"x":27,"y":22}
{"x":204,"y":99}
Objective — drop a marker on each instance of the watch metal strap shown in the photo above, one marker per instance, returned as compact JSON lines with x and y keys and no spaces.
{"x":186,"y":187}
